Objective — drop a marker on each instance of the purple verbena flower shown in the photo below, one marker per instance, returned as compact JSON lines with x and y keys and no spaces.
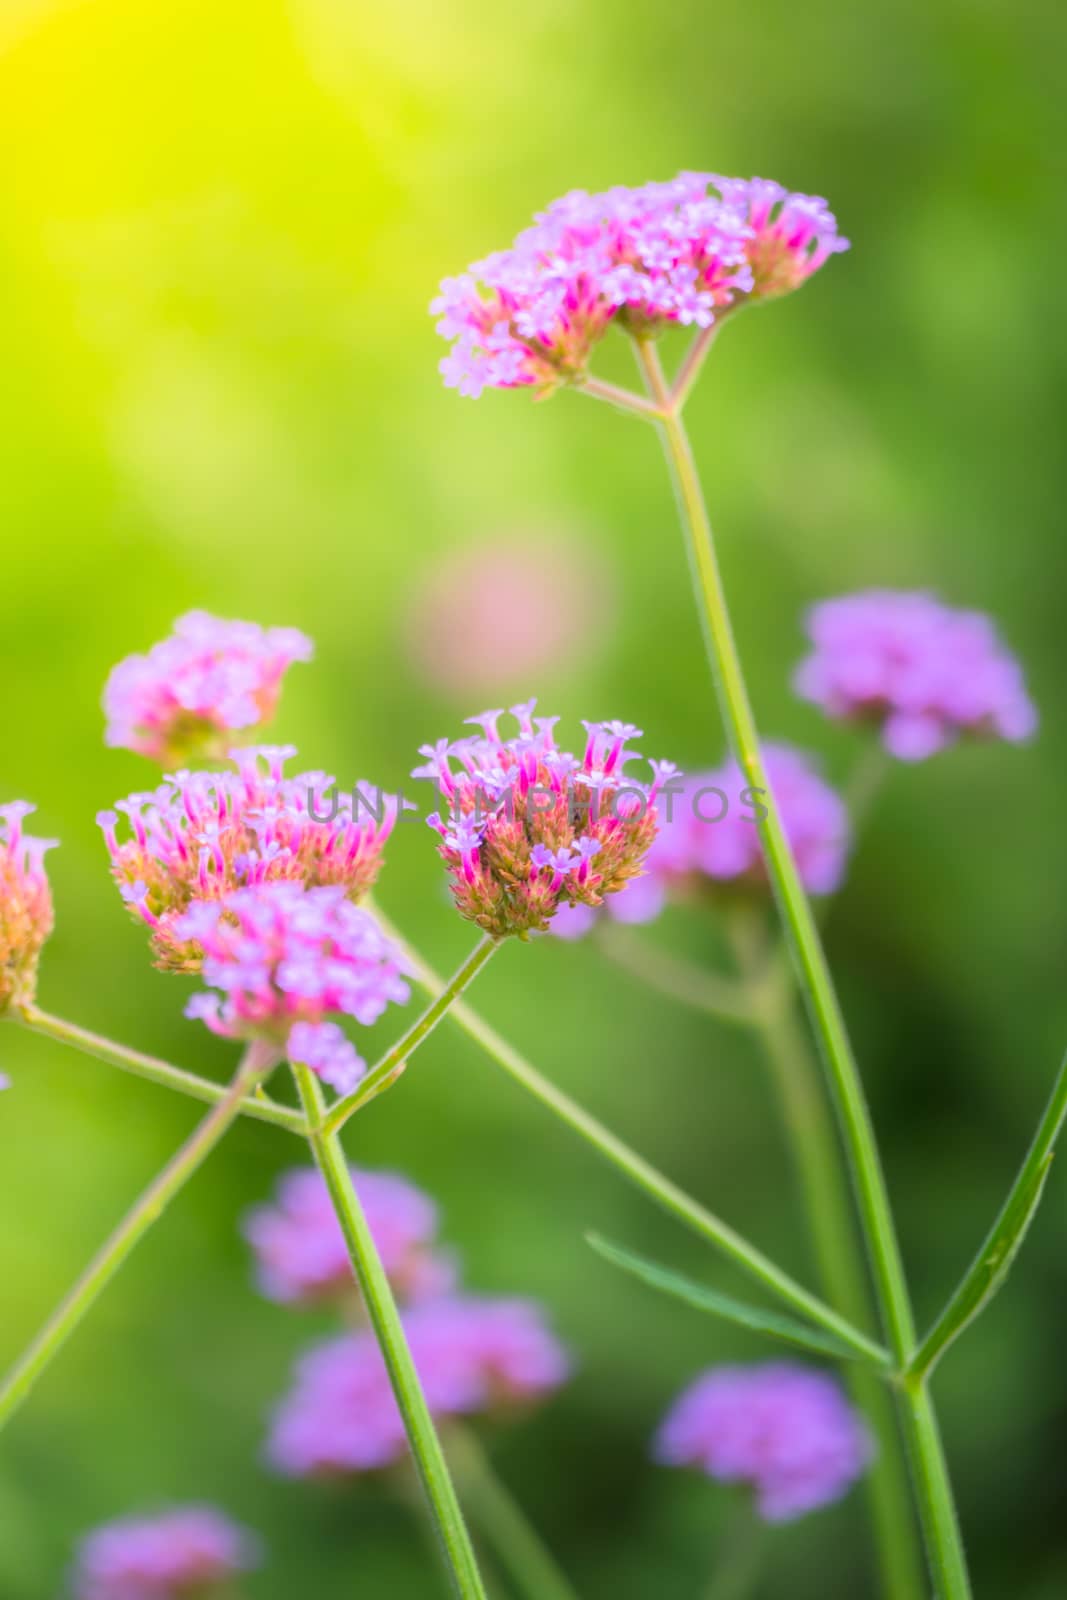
{"x":920,"y":671}
{"x":191,"y":693}
{"x":181,"y":1554}
{"x":664,"y":253}
{"x":201,"y":835}
{"x":786,"y":1430}
{"x":26,"y":914}
{"x":709,"y":840}
{"x":472,"y":1356}
{"x":301,"y":1256}
{"x":285,"y":958}
{"x":529,"y":827}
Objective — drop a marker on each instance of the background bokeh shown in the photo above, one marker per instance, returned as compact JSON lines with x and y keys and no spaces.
{"x":220,"y":225}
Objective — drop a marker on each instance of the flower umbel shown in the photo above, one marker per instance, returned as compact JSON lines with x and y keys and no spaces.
{"x":473,"y":1356}
{"x":921,"y":671}
{"x":301,"y":1255}
{"x":26,"y":915}
{"x":529,"y":828}
{"x":664,"y":253}
{"x":191,"y":693}
{"x":201,"y":835}
{"x":786,"y":1430}
{"x":285,"y":958}
{"x":182,"y":1554}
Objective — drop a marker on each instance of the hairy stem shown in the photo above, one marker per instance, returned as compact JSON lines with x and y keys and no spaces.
{"x":104,"y":1265}
{"x":388,"y":1328}
{"x":257,"y":1105}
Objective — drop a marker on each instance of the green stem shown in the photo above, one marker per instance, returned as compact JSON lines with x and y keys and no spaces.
{"x":622,"y":399}
{"x":260,"y":1106}
{"x":636,"y":1169}
{"x":991,"y":1262}
{"x":385,"y":1320}
{"x":841,"y":1268}
{"x":675,"y":977}
{"x":393,"y":1062}
{"x":945,"y":1548}
{"x":495,"y":1512}
{"x":128,"y":1234}
{"x":739,"y":1557}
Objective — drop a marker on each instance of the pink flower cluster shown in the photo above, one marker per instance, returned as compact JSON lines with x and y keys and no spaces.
{"x":472,"y":1355}
{"x":921,"y":671}
{"x":530,"y":827}
{"x":647,"y":257}
{"x":26,"y":915}
{"x":284,"y":958}
{"x":181,"y":1554}
{"x":186,"y":698}
{"x":301,"y":1256}
{"x":786,"y":1430}
{"x":201,"y":835}
{"x":709,"y":839}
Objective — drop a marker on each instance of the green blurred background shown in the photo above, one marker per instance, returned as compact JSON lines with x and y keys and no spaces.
{"x":220,"y":225}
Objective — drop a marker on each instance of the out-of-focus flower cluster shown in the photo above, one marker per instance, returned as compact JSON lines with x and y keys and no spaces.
{"x":187,"y":1553}
{"x":26,"y":914}
{"x":502,"y":612}
{"x":201,"y":835}
{"x":300,"y":1251}
{"x":529,"y":827}
{"x":922,"y":672}
{"x":191,"y":693}
{"x":709,"y":840}
{"x":676,"y":252}
{"x":283,"y":958}
{"x":786,"y":1430}
{"x":473,"y":1354}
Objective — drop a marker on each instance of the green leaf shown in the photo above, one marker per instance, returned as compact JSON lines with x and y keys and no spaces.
{"x":773,"y":1323}
{"x":990,"y":1269}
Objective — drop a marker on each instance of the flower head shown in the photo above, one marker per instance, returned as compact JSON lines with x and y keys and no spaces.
{"x":285,"y":958}
{"x":201,"y":835}
{"x":301,"y":1256}
{"x":709,"y":840}
{"x":190,"y":694}
{"x":472,"y":1356}
{"x":26,"y":915}
{"x":181,"y":1554}
{"x":786,"y":1430}
{"x":663,"y":253}
{"x":920,"y":671}
{"x":528,"y":827}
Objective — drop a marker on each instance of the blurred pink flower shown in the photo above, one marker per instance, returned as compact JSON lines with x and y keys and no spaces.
{"x":301,"y":1255}
{"x":191,"y":693}
{"x":504,"y":611}
{"x":786,"y":1429}
{"x":472,"y":1355}
{"x":180,"y":1554}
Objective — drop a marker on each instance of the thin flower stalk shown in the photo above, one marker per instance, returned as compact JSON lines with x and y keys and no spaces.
{"x":502,"y":1522}
{"x":393,"y":1062}
{"x":148,"y":1209}
{"x":639,"y":1171}
{"x":944,"y":1544}
{"x":257,"y":1105}
{"x":385,"y":1320}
